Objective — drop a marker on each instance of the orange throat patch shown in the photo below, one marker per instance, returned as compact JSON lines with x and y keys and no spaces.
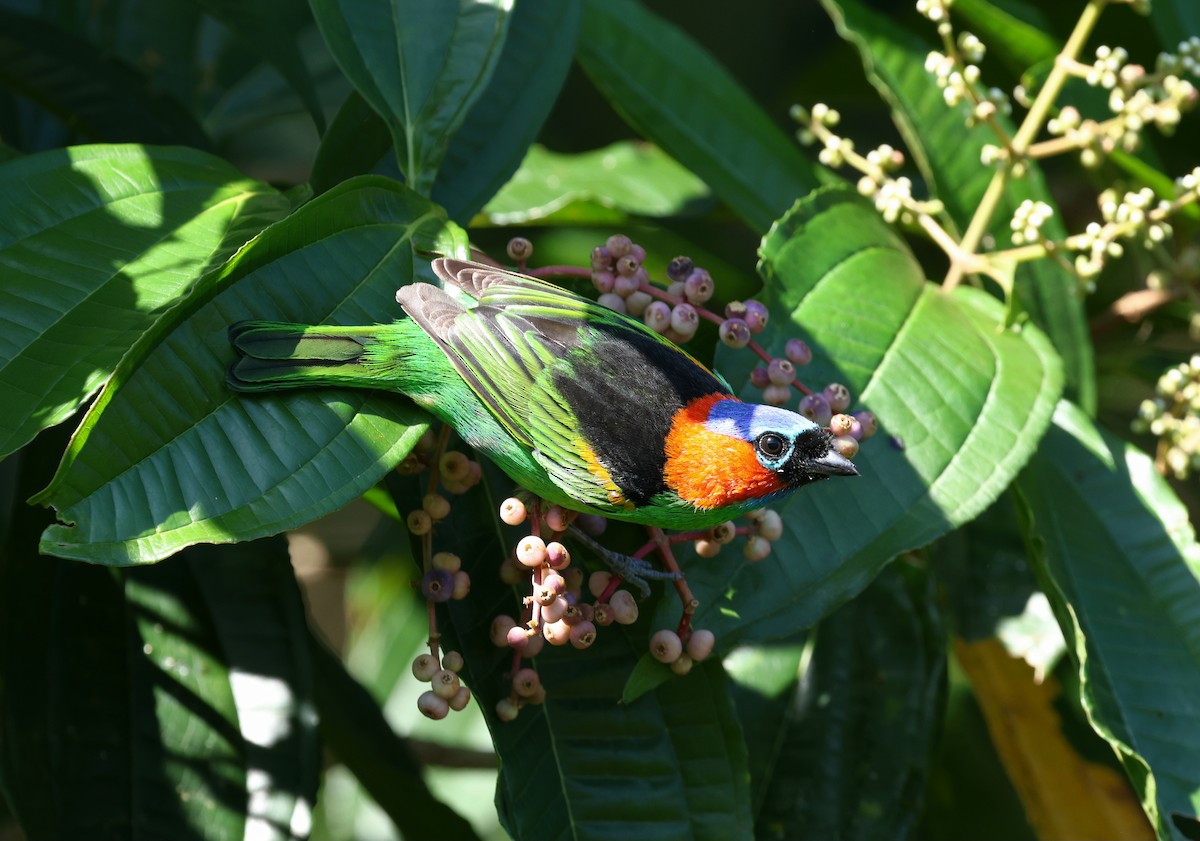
{"x":711,"y":470}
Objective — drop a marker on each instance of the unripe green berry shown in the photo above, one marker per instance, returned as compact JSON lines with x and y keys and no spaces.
{"x":507,"y":710}
{"x":682,"y":665}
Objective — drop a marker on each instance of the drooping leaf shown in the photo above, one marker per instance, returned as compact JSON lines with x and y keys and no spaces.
{"x":101,"y":99}
{"x":948,"y":154}
{"x":356,"y":140}
{"x":421,"y":64}
{"x":1125,"y":568}
{"x":961,"y":406}
{"x":490,"y":144}
{"x":97,"y":242}
{"x":675,"y":94}
{"x":168,"y":456}
{"x":635,"y":178}
{"x":853,"y":744}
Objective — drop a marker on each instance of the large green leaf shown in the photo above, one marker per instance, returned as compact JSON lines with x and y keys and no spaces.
{"x":99,"y":98}
{"x":1125,"y":566}
{"x":583,"y":765}
{"x":675,"y":94}
{"x":636,"y":178}
{"x":96,"y":242}
{"x":961,"y":403}
{"x":948,"y":154}
{"x":851,"y":741}
{"x":168,"y":456}
{"x":489,"y":146}
{"x":420,"y":64}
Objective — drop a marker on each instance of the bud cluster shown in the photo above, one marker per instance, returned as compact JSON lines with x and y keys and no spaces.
{"x":1173,"y":415}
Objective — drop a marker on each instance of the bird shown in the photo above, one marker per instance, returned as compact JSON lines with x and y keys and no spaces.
{"x":579,"y":404}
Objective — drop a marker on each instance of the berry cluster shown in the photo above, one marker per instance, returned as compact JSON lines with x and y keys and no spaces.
{"x":1173,"y":415}
{"x":556,"y":610}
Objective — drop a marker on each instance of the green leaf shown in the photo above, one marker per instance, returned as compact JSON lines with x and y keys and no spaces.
{"x":948,"y":154}
{"x":421,"y":64}
{"x":356,"y":140}
{"x":1125,"y":565}
{"x":489,"y":146}
{"x":1017,"y":43}
{"x":632,"y":177}
{"x":168,"y":456}
{"x":272,"y":27}
{"x":675,"y":94}
{"x":673,"y":759}
{"x":1175,"y":21}
{"x":967,"y":400}
{"x":96,"y":243}
{"x":853,"y":739}
{"x":100,"y":99}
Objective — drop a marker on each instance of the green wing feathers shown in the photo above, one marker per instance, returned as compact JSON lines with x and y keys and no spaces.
{"x":275,"y":356}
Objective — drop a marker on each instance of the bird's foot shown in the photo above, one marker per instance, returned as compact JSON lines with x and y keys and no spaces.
{"x":637,"y":572}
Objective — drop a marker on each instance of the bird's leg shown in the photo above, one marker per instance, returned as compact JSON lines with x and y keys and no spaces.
{"x":636,"y":571}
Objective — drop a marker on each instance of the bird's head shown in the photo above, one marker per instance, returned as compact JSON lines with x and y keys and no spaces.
{"x":723,"y":452}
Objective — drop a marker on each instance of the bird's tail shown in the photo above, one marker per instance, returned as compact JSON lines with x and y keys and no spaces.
{"x":274,"y":355}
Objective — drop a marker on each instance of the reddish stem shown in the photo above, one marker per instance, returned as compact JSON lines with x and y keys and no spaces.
{"x":686,"y":597}
{"x":613,"y":584}
{"x":560,"y":271}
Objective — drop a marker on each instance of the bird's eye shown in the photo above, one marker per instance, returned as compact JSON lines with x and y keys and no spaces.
{"x":771,"y":444}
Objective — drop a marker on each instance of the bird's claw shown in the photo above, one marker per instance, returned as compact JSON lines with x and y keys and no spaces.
{"x":637,"y":572}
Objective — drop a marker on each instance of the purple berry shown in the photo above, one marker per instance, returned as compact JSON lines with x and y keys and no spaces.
{"x":816,"y":408}
{"x":628,"y":264}
{"x":657,"y":316}
{"x":601,"y":259}
{"x":756,"y":316}
{"x":437,"y":585}
{"x":776,"y":395}
{"x":679,"y":268}
{"x":736,"y":309}
{"x":618,"y":245}
{"x":685,"y":320}
{"x":638,"y":252}
{"x":797,"y":352}
{"x":625,"y":285}
{"x":603,"y":281}
{"x":735,"y":333}
{"x":759,"y":378}
{"x":781,"y":372}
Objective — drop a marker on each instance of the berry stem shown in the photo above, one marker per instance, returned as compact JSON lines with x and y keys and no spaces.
{"x":544,"y":272}
{"x":686,"y":597}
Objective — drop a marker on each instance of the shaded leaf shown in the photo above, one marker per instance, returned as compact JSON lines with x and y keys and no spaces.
{"x":97,"y":97}
{"x":96,"y":243}
{"x":488,"y":147}
{"x":1019,"y":44}
{"x":675,"y":94}
{"x":634,"y":178}
{"x":948,"y":154}
{"x":420,"y":64}
{"x":1124,"y":566}
{"x":168,"y":456}
{"x":356,"y":140}
{"x":853,"y":745}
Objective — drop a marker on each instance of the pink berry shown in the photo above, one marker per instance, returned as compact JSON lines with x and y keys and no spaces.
{"x":507,"y":710}
{"x":460,"y":700}
{"x":776,"y":394}
{"x":846,"y":446}
{"x":868,"y":424}
{"x":583,"y":634}
{"x":657,"y":316}
{"x":500,"y":627}
{"x":453,"y":661}
{"x":604,"y":281}
{"x":424,"y":667}
{"x":554,"y":611}
{"x":665,"y":646}
{"x":526,"y":682}
{"x":781,"y":372}
{"x":816,"y":408}
{"x":700,"y":644}
{"x":431,"y":706}
{"x":619,"y":245}
{"x":445,"y":684}
{"x":838,"y":396}
{"x":797,"y":352}
{"x":627,"y":265}
{"x":462,"y":585}
{"x":557,"y":633}
{"x":534,"y":646}
{"x":624,"y":608}
{"x":531,"y":551}
{"x":602,"y":613}
{"x":637,"y":302}
{"x":698,"y":287}
{"x":557,"y":555}
{"x":598,"y":582}
{"x":685,"y":320}
{"x":518,"y":637}
{"x":770,"y":526}
{"x":512,"y":511}
{"x":756,"y":548}
{"x":759,"y":378}
{"x":626,"y":285}
{"x":707,"y":548}
{"x":735,"y":333}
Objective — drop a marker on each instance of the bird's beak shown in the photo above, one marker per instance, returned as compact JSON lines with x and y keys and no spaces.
{"x":832,"y":464}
